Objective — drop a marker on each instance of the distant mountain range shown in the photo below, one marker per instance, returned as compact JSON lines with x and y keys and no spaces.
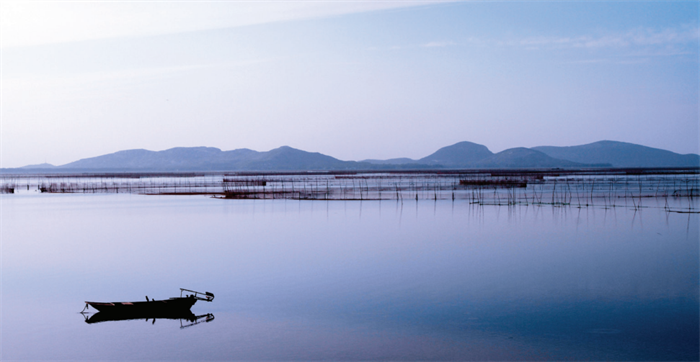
{"x":620,"y":154}
{"x":462,"y":155}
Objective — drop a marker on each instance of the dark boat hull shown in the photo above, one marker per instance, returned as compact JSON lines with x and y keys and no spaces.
{"x":156,"y":306}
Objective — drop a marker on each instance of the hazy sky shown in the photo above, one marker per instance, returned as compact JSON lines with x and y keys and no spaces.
{"x":351,"y":79}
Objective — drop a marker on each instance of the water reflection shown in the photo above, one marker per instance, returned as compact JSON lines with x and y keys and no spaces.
{"x":187,"y":317}
{"x":353,"y":280}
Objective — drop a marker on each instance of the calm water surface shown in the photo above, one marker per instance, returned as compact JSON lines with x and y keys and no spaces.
{"x":316,"y":280}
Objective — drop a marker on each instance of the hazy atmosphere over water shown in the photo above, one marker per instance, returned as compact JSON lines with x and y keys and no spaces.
{"x":353,"y":80}
{"x":474,"y":245}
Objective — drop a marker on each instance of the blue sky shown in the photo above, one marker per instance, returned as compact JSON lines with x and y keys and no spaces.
{"x":353,"y":80}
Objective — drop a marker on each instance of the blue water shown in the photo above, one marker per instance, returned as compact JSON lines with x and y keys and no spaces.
{"x":316,"y":280}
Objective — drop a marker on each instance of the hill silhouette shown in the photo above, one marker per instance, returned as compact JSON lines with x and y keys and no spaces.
{"x":521,"y":157}
{"x":461,"y":155}
{"x":621,"y":154}
{"x":214,"y":159}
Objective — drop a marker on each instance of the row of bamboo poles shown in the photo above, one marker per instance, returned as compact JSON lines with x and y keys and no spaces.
{"x":608,"y":191}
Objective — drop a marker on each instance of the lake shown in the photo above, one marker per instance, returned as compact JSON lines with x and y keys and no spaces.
{"x":350,"y":280}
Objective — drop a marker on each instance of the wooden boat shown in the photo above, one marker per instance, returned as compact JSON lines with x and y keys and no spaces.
{"x":182,"y":303}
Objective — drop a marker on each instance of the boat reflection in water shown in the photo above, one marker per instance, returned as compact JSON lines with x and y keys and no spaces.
{"x":187,"y":318}
{"x":173,"y":308}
